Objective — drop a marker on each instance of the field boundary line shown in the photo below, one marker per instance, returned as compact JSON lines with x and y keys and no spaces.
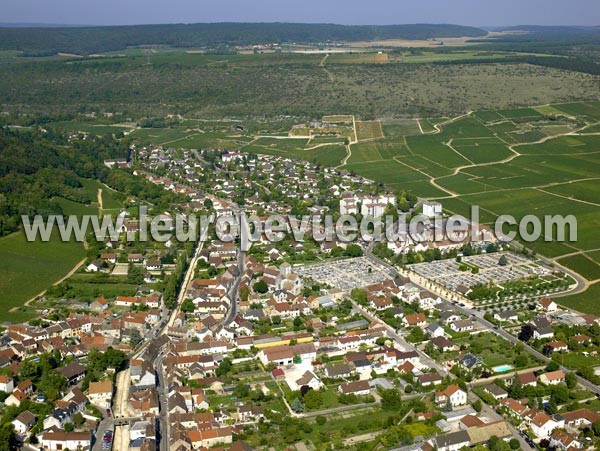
{"x":568,"y":198}
{"x":41,"y":293}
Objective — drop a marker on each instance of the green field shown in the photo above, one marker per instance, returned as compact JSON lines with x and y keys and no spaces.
{"x":377,"y":150}
{"x":588,"y":301}
{"x":471,"y":161}
{"x":583,"y":265}
{"x":29,"y":268}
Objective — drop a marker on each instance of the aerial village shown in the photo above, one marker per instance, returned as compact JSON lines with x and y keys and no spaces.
{"x":302,"y":344}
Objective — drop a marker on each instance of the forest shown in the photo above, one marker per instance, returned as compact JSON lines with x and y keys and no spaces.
{"x":37,"y":168}
{"x":87,"y":40}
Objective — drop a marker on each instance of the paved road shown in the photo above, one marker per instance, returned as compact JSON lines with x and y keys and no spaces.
{"x":233,"y":293}
{"x":104,"y":425}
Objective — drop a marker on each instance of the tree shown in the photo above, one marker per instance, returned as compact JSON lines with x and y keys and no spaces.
{"x":514,"y":443}
{"x":571,"y":380}
{"x":503,"y":261}
{"x":391,"y":399}
{"x":521,"y":360}
{"x":188,"y":306}
{"x":359,"y":296}
{"x":354,"y":250}
{"x":497,"y":444}
{"x":321,"y":420}
{"x":224,"y":367}
{"x":596,"y":428}
{"x":78,"y":419}
{"x":135,"y":275}
{"x":260,"y":287}
{"x":526,"y":332}
{"x":244,"y":293}
{"x":8,"y":438}
{"x":477,"y":405}
{"x":135,"y":337}
{"x":313,"y":399}
{"x":416,"y":335}
{"x":241,"y":390}
{"x":297,"y":406}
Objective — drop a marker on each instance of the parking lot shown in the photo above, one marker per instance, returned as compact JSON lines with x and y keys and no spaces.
{"x":448,"y":274}
{"x":345,"y":274}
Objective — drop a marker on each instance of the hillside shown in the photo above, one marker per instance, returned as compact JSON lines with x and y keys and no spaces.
{"x":86,"y":40}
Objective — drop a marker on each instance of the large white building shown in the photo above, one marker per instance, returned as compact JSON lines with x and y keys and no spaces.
{"x":373,"y":206}
{"x":431,"y":209}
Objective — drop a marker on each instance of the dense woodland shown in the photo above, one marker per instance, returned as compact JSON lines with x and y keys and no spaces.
{"x":38,"y":168}
{"x":86,"y":40}
{"x":558,"y":40}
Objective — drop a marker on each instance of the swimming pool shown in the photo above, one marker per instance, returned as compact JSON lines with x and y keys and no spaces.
{"x":502,"y":368}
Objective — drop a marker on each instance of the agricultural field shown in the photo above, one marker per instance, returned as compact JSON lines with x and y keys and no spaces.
{"x":358,"y":58}
{"x":506,"y":161}
{"x":377,"y":150}
{"x":584,"y":302}
{"x":583,"y":264}
{"x":366,"y":130}
{"x":400,"y":128}
{"x":29,"y":268}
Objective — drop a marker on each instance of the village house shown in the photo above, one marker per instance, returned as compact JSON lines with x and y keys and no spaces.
{"x":463,"y":325}
{"x":60,"y":440}
{"x":24,"y":422}
{"x":452,"y":396}
{"x":415,"y":320}
{"x":506,"y":315}
{"x":7,"y":384}
{"x":528,"y":379}
{"x":100,"y":393}
{"x":548,"y":305}
{"x":543,"y":424}
{"x":495,"y":391}
{"x":552,"y":378}
{"x":555,"y":346}
{"x":358,"y":388}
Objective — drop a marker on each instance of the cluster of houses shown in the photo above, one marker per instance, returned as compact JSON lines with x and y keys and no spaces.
{"x":52,"y":435}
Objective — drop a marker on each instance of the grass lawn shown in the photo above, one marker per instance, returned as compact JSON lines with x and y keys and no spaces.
{"x":421,"y":429}
{"x":29,"y":268}
{"x":575,"y":360}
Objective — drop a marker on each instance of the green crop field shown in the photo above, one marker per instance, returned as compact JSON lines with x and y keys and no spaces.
{"x":484,"y":151}
{"x":471,"y":162}
{"x":585,"y":266}
{"x":29,"y":268}
{"x":589,"y":110}
{"x":584,"y":302}
{"x":400,"y":128}
{"x":377,"y":150}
